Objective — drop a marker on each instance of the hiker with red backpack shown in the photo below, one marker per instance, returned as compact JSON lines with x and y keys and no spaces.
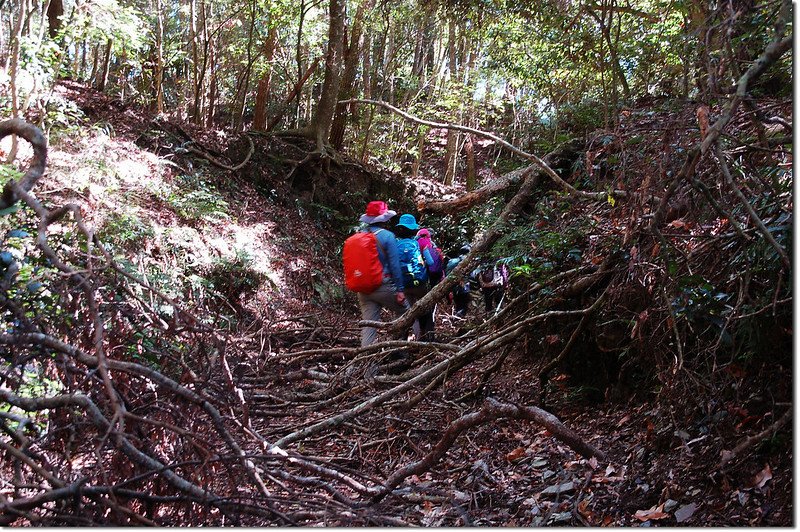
{"x":414,"y":264}
{"x":372,"y":268}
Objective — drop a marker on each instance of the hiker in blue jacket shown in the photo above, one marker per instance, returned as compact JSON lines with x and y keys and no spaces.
{"x":415,"y":263}
{"x":390,"y":295}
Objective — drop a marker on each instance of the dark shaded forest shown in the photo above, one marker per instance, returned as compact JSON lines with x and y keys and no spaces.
{"x":178,"y":347}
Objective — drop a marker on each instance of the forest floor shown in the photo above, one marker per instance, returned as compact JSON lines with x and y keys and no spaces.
{"x":661,"y":463}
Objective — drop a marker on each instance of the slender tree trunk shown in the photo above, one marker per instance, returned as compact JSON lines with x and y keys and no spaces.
{"x":243,"y":86}
{"x":102,"y":78}
{"x":158,"y":72}
{"x":95,"y":65}
{"x":323,"y":117}
{"x":213,"y":89}
{"x":420,"y":147}
{"x":263,"y":90}
{"x":201,"y":65}
{"x":82,"y":68}
{"x":452,"y":136}
{"x":55,"y":9}
{"x":346,"y":86}
{"x":471,"y":178}
{"x":299,"y":57}
{"x":195,"y":57}
{"x":12,"y":70}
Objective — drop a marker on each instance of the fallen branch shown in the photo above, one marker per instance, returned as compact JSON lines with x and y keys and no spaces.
{"x":723,"y":166}
{"x":543,"y":166}
{"x":727,"y":457}
{"x":491,"y":411}
{"x":493,"y":187}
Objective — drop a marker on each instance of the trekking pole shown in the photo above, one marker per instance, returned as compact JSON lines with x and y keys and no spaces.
{"x":500,"y":303}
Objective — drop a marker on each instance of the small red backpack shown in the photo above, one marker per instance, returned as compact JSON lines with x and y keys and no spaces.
{"x":363,"y":271}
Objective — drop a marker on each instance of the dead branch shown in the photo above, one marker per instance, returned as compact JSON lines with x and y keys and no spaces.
{"x":494,"y":187}
{"x":723,"y":166}
{"x":490,"y":411}
{"x":542,"y":165}
{"x":746,"y":444}
{"x":470,"y":199}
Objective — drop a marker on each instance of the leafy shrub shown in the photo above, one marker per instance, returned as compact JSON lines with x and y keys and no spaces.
{"x":126,"y":229}
{"x":582,"y":117}
{"x":203,"y":204}
{"x":234,"y":276}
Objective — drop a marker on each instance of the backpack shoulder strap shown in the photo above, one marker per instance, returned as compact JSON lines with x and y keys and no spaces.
{"x":378,"y":241}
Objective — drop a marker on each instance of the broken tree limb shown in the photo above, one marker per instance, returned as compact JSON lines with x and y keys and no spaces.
{"x":491,"y":411}
{"x":754,"y":439}
{"x":495,"y":186}
{"x":774,"y":50}
{"x":483,"y":244}
{"x":723,"y":166}
{"x":543,"y":166}
{"x":475,"y":197}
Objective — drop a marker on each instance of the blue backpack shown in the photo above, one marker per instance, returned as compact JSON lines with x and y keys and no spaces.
{"x":411,"y":263}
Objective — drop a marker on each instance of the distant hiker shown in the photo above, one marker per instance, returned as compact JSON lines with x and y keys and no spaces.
{"x":436,"y":270}
{"x":372,"y":268}
{"x":493,"y":281}
{"x":414,"y":264}
{"x":460,"y":294}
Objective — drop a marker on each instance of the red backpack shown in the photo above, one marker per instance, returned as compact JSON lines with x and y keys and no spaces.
{"x":363,"y":271}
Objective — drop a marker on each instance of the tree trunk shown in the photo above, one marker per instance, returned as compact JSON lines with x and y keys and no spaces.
{"x":346,"y":86}
{"x":102,"y":79}
{"x":95,"y":63}
{"x":299,"y":58}
{"x":12,"y":70}
{"x":452,"y":136}
{"x":469,"y":148}
{"x":263,"y":90}
{"x":420,"y":147}
{"x":200,"y":65}
{"x":55,"y":9}
{"x":243,"y":84}
{"x":158,"y":68}
{"x":320,"y":126}
{"x":212,"y":85}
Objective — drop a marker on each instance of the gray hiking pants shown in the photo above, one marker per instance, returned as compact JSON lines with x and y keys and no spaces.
{"x":371,"y":305}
